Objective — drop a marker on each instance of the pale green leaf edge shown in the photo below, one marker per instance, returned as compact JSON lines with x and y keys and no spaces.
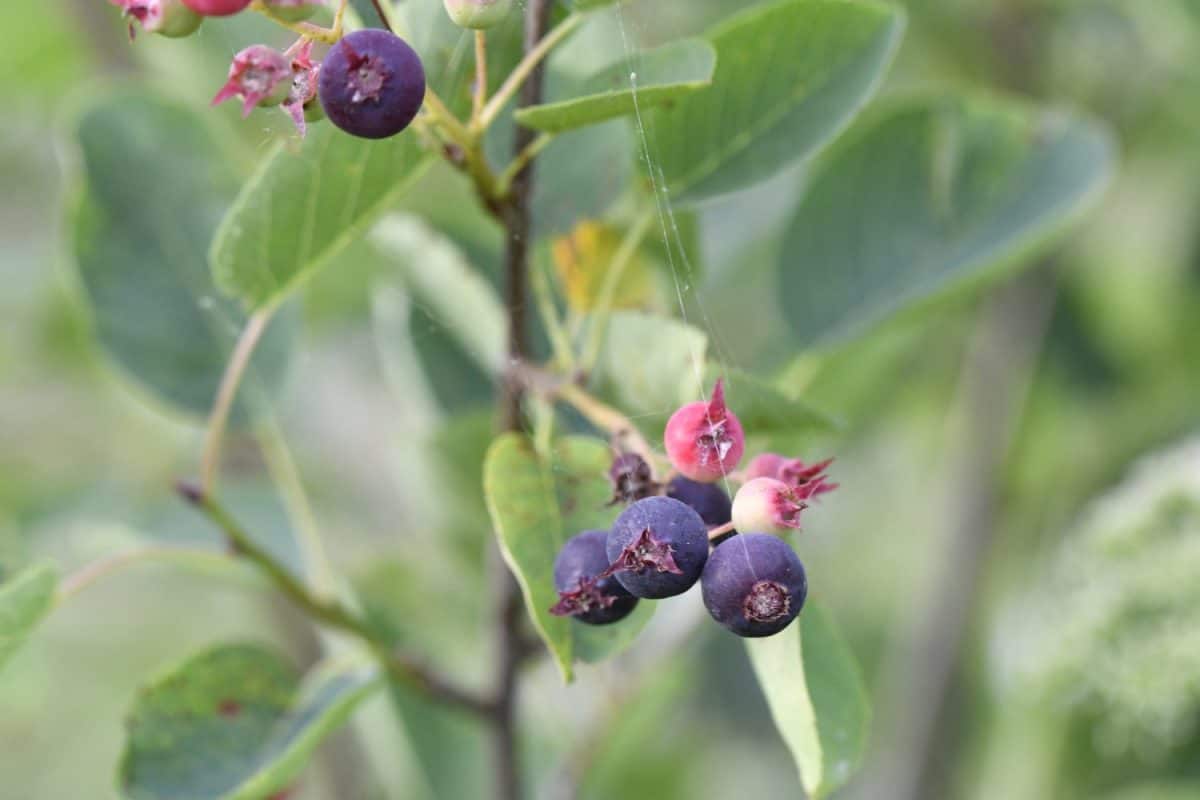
{"x":542,"y":117}
{"x":1017,"y":254}
{"x":563,"y":655}
{"x":25,"y":600}
{"x":362,"y":680}
{"x":685,"y":193}
{"x":222,"y":276}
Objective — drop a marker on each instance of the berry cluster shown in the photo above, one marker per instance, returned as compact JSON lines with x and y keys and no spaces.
{"x":370,"y":83}
{"x":752,"y":581}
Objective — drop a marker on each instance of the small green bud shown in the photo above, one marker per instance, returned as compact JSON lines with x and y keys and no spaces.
{"x":478,"y":14}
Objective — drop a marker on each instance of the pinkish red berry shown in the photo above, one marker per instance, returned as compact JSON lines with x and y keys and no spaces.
{"x":216,"y":8}
{"x":705,"y":440}
{"x":165,"y":17}
{"x":766,"y":505}
{"x":259,"y":75}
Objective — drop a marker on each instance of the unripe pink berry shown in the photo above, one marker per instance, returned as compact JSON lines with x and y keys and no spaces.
{"x":704,"y":441}
{"x":216,"y":8}
{"x":766,"y":505}
{"x":165,"y":17}
{"x":259,"y":75}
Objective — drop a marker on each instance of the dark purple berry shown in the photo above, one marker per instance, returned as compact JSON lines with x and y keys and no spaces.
{"x":581,"y":595}
{"x":658,"y":547}
{"x":706,"y":499}
{"x":371,"y":84}
{"x":754,"y":584}
{"x":631,"y":479}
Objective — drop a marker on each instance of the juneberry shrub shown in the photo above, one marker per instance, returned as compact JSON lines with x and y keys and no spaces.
{"x":470,"y":140}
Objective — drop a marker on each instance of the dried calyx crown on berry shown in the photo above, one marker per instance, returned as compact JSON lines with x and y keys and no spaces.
{"x":686,"y":530}
{"x":370,"y":84}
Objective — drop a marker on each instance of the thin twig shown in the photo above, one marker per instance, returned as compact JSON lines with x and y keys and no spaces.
{"x":510,"y":649}
{"x":102,"y":568}
{"x":402,"y":666}
{"x":522,"y":159}
{"x":481,"y":76}
{"x":560,"y":341}
{"x":218,"y":419}
{"x":528,"y":67}
{"x":383,"y":17}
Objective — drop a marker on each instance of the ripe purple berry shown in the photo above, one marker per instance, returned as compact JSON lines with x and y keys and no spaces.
{"x":704,"y":440}
{"x":581,"y":595}
{"x":706,"y":499}
{"x":754,"y":584}
{"x":658,"y":547}
{"x":372,"y":84}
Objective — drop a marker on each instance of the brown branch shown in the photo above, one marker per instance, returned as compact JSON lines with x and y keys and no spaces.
{"x":401,"y":666}
{"x":510,"y":648}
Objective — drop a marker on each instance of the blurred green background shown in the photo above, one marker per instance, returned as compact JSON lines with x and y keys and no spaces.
{"x":990,"y":504}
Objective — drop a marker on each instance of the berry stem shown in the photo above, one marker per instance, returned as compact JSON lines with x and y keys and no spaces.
{"x":218,"y":418}
{"x":520,"y":161}
{"x":306,"y":29}
{"x":533,"y":58}
{"x":481,"y":78}
{"x":720,"y":531}
{"x":622,"y":430}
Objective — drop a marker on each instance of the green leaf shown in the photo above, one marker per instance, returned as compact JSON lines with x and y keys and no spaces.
{"x":662,"y":76}
{"x":817,"y":698}
{"x":934,"y":195}
{"x":234,"y":723}
{"x":155,"y":188}
{"x":24,"y":602}
{"x":536,"y":504}
{"x":764,"y":409}
{"x":652,"y":364}
{"x":440,"y":278}
{"x":301,"y":208}
{"x":789,"y":78}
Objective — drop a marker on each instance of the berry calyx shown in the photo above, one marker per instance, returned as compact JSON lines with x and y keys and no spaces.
{"x":707,"y":499}
{"x":754,"y":584}
{"x":766,"y":505}
{"x":371,"y":84}
{"x":585,"y":589}
{"x":477,"y":14}
{"x":260,"y":75}
{"x":169,"y":18}
{"x":631,"y":478}
{"x":705,"y":440}
{"x":216,"y":8}
{"x":792,"y":471}
{"x":657,"y":547}
{"x":302,"y":104}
